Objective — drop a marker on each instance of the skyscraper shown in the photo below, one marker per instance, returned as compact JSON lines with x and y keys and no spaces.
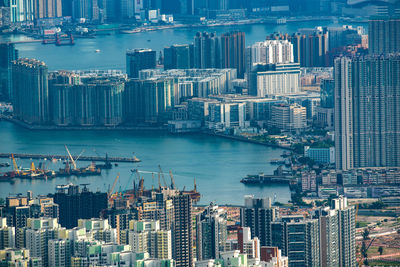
{"x":384,"y":35}
{"x":298,"y":238}
{"x":182,"y":248}
{"x":269,"y":52}
{"x":59,"y":252}
{"x":38,"y":233}
{"x":232,"y":51}
{"x":178,"y":57}
{"x":8,"y":54}
{"x":139,"y":59}
{"x":147,"y":101}
{"x":329,"y":236}
{"x":74,"y":204}
{"x":274,"y":79}
{"x":310,"y":46}
{"x":47,"y":9}
{"x":347,"y":232}
{"x":207,"y":51}
{"x":211,"y":232}
{"x":22,"y":10}
{"x":367,"y":101}
{"x":258,"y":215}
{"x":30,"y":91}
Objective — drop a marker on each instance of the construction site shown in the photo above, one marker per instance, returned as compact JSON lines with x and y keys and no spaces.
{"x":70,"y":168}
{"x":124,"y":198}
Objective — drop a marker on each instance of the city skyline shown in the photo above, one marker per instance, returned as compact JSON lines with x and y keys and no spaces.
{"x":278,"y":122}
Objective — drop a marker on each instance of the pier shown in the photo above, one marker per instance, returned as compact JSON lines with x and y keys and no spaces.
{"x":81,"y":158}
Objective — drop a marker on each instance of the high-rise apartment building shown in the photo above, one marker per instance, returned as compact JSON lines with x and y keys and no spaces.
{"x":30,"y":91}
{"x":182,"y":238}
{"x":233,"y":52}
{"x":75,"y":204}
{"x":246,"y":244}
{"x":147,"y":101}
{"x":310,"y":46}
{"x":274,"y":79}
{"x":258,"y":214}
{"x":347,"y":232}
{"x":269,"y":52}
{"x":211,"y":232}
{"x":384,"y":35}
{"x":8,"y":54}
{"x":146,"y":236}
{"x":86,"y":99}
{"x":298,"y":238}
{"x":207,"y":51}
{"x":59,"y":252}
{"x":38,"y":233}
{"x":329,"y":237}
{"x":22,"y":11}
{"x":139,"y":59}
{"x":47,"y":9}
{"x":7,"y":234}
{"x":366,"y":106}
{"x":178,"y":57}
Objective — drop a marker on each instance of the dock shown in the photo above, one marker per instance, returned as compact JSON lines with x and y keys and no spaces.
{"x":81,"y":158}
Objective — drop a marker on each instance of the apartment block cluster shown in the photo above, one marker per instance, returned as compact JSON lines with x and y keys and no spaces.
{"x":31,"y":12}
{"x":366,"y":132}
{"x":265,"y":77}
{"x":325,"y":238}
{"x":157,"y":228}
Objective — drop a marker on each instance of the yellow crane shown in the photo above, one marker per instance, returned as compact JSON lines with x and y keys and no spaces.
{"x":113,"y":186}
{"x":33,"y":168}
{"x":16,"y":169}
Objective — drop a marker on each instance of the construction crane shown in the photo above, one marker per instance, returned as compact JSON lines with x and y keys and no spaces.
{"x":33,"y":168}
{"x":16,"y":169}
{"x":70,"y":156}
{"x":159,"y":182}
{"x":79,"y":155}
{"x":172,"y":180}
{"x":152,"y":181}
{"x":113,"y":186}
{"x":162,"y":175}
{"x":141,"y":186}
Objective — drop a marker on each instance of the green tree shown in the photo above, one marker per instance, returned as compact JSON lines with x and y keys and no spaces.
{"x":365,"y":234}
{"x":364,"y":250}
{"x":380,"y":250}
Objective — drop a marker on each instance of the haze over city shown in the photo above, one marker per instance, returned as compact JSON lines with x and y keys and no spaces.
{"x":199,"y":133}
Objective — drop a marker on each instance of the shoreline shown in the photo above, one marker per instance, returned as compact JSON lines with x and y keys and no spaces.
{"x":121,"y":28}
{"x":160,"y":129}
{"x":244,"y":139}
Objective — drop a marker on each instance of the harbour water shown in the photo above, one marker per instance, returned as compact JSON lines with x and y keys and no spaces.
{"x":112,"y":47}
{"x":218,"y":164}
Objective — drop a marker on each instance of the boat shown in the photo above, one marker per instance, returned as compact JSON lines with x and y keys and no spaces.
{"x":97,"y":50}
{"x":277,"y":161}
{"x":4,"y":164}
